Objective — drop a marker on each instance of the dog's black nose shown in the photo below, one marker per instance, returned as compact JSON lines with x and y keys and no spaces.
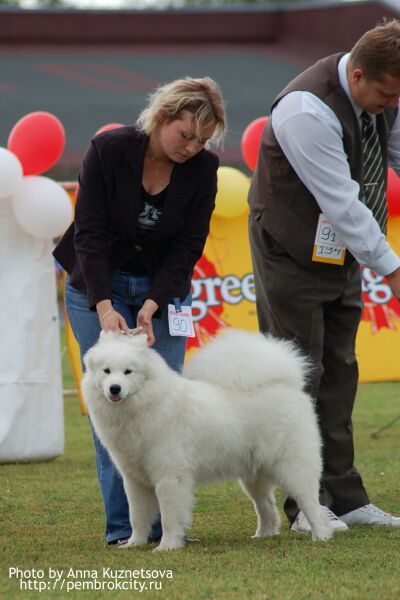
{"x":115,"y":389}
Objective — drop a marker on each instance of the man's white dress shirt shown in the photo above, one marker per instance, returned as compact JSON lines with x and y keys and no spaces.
{"x":311,"y":137}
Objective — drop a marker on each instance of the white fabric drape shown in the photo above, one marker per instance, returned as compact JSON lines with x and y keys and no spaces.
{"x":31,"y":404}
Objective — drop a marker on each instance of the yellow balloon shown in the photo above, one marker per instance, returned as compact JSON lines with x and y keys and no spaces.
{"x":233,"y":187}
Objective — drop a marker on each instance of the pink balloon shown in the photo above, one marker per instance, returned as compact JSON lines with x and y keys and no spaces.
{"x":251,"y":140}
{"x":109,"y":127}
{"x":38,"y":141}
{"x":393,"y":194}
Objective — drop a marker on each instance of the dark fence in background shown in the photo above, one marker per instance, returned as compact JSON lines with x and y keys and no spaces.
{"x":320,"y":23}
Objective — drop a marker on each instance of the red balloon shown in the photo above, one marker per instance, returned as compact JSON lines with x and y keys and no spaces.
{"x":251,"y":140}
{"x":393,"y":194}
{"x":109,"y":127}
{"x":38,"y":141}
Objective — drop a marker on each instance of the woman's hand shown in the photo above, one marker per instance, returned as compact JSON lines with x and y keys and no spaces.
{"x":144,"y":317}
{"x":110,"y":319}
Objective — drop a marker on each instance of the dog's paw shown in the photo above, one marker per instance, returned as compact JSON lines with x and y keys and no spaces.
{"x":322,"y":536}
{"x":124,"y":546}
{"x":258,"y":536}
{"x":134,"y":540}
{"x":266,"y":532}
{"x":167,"y":548}
{"x":173,"y":544}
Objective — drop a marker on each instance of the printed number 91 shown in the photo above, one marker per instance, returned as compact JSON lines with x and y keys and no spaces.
{"x":326,"y":234}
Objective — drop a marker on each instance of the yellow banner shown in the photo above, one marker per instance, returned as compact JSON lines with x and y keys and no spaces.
{"x":224,"y":296}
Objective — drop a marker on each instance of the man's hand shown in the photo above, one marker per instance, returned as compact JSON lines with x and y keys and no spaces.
{"x":394,"y":282}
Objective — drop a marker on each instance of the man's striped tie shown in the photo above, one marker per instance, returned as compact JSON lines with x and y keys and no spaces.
{"x":374,"y":178}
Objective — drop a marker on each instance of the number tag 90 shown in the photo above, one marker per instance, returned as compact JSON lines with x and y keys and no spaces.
{"x":180,"y":322}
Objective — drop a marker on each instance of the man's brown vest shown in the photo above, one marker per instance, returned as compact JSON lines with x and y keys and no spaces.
{"x":285,"y":207}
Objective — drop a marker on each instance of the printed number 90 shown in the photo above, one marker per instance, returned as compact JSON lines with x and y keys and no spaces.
{"x":179,"y":324}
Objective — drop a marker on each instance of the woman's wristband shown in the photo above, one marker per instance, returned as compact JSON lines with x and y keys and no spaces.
{"x":106,"y":314}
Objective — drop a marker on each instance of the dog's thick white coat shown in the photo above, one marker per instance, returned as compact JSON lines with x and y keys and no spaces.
{"x":239,"y":412}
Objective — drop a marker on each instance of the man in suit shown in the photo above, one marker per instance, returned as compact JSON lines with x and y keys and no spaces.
{"x":318,"y":211}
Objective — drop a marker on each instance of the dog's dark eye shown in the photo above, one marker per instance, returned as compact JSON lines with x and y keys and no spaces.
{"x":107,"y":371}
{"x":127,"y":372}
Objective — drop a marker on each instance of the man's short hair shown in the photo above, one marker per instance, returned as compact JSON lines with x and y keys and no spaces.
{"x":377,"y":52}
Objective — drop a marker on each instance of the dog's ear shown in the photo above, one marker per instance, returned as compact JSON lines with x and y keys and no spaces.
{"x":139,"y":339}
{"x":107,"y":335}
{"x":142,"y":339}
{"x":88,"y":359}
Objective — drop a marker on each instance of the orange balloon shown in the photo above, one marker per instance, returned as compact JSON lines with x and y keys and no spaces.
{"x":251,"y":140}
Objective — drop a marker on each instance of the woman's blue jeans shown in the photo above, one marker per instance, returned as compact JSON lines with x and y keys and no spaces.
{"x":128,"y":295}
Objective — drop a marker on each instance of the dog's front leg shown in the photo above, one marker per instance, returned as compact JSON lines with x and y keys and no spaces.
{"x":143,"y":510}
{"x":175,"y":498}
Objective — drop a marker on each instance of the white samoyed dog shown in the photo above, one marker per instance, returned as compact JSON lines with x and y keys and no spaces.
{"x":238,"y":412}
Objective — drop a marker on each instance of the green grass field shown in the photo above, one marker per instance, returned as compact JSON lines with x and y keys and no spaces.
{"x":51,"y":519}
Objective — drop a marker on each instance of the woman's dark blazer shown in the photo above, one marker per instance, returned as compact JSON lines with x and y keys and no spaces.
{"x":104,"y":233}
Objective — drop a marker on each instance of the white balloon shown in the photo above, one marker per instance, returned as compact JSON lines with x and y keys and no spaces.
{"x":42,"y":207}
{"x":10,"y":173}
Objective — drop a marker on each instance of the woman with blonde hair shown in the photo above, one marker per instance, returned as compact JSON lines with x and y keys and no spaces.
{"x":146,"y":195}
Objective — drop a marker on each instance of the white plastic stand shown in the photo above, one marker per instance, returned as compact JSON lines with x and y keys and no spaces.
{"x":31,"y":403}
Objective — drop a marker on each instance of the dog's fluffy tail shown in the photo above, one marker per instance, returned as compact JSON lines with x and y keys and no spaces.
{"x":243,"y":360}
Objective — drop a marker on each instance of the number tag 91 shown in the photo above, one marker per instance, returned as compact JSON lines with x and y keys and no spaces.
{"x":180,"y":322}
{"x":328,"y":247}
